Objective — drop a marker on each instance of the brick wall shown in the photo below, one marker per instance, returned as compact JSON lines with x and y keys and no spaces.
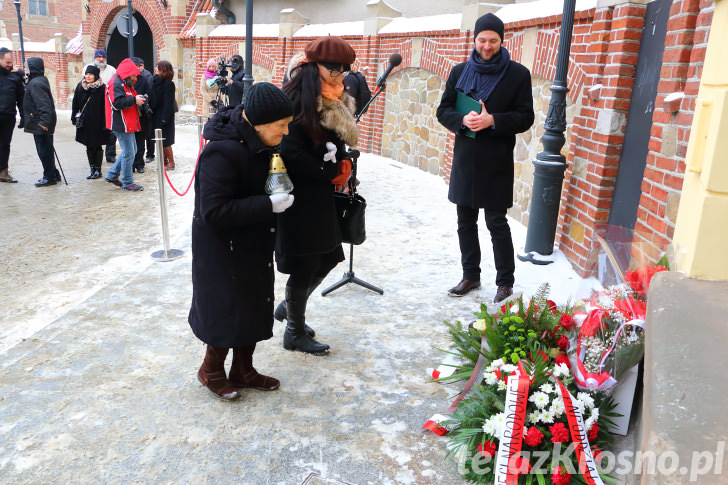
{"x":604,"y":53}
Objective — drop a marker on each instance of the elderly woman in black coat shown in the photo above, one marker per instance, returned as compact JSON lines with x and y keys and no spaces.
{"x":309,"y":237}
{"x":233,"y":236}
{"x":88,"y":105}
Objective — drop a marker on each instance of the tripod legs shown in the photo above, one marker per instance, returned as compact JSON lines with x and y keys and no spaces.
{"x":350,"y":278}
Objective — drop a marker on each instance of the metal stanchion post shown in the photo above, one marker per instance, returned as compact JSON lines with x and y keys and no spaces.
{"x":165,"y":254}
{"x":199,"y":127}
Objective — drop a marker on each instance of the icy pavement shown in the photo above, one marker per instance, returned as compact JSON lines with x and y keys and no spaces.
{"x":97,"y":362}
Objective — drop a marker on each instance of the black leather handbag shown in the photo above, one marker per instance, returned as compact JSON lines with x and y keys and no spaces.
{"x":350,"y":212}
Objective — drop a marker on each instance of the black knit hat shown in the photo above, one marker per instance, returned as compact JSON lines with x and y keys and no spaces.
{"x":489,"y":22}
{"x":93,"y":70}
{"x":265,"y":103}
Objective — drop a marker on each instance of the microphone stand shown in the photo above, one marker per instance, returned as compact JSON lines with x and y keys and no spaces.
{"x":349,"y":276}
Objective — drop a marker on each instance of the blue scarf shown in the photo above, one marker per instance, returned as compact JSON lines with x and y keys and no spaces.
{"x":479,"y":78}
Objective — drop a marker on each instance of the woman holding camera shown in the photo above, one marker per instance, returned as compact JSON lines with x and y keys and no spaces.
{"x":87,"y":113}
{"x":163,"y":103}
{"x":210,"y":90}
{"x":309,"y":238}
{"x":233,"y":236}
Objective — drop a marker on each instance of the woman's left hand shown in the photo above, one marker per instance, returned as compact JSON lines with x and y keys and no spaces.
{"x":331,"y":154}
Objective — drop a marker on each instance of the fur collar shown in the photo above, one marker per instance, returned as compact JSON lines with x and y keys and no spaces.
{"x":94,"y":84}
{"x":339,"y":117}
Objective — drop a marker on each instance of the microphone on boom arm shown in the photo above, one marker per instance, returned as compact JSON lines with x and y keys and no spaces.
{"x":394,"y":61}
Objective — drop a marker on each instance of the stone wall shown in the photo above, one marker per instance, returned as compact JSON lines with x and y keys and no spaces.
{"x":411,"y":133}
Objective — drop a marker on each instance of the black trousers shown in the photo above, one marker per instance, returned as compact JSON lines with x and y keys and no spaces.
{"x":44,"y":147}
{"x":7,"y":125}
{"x":139,"y":157}
{"x":500,"y":235}
{"x":111,"y":148}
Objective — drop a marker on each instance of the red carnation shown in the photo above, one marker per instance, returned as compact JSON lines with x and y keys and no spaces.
{"x":487,"y":449}
{"x":533,"y":436}
{"x":566,"y":322}
{"x":593,"y":432}
{"x":560,"y":476}
{"x":562,"y":359}
{"x":552,"y":306}
{"x":563,"y":342}
{"x":596,"y":453}
{"x":519,"y":465}
{"x":559,"y":433}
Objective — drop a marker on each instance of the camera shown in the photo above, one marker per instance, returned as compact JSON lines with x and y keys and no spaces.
{"x":222,"y":72}
{"x":144,"y":109}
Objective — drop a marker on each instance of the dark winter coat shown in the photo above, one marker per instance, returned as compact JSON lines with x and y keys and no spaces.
{"x":38,"y":106}
{"x":356,"y":85}
{"x":233,"y":234}
{"x":144,"y":86}
{"x":93,"y":132}
{"x":482,"y":168}
{"x":310,"y":225}
{"x":12,"y":91}
{"x":236,"y":88}
{"x":163,"y":103}
{"x":122,"y":114}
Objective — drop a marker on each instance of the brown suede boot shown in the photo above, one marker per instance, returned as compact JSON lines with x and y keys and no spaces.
{"x":243,"y":374}
{"x":6,"y":177}
{"x":212,"y":375}
{"x":168,"y":158}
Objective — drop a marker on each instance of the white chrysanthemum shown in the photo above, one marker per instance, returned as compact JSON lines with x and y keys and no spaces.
{"x":595,"y":413}
{"x":508,"y":368}
{"x":547,"y":417}
{"x":561,"y":370}
{"x":589,"y":423}
{"x":490,"y":378}
{"x":586,"y":399}
{"x":501,"y":385}
{"x":540,"y":399}
{"x":496,"y":364}
{"x":489,"y":426}
{"x":534,"y":417}
{"x":547,"y":388}
{"x":499,"y":422}
{"x":579,"y":405}
{"x":557,"y":407}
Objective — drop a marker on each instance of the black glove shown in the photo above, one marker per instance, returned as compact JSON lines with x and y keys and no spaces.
{"x":22,"y":123}
{"x":213,"y":103}
{"x":164,"y":123}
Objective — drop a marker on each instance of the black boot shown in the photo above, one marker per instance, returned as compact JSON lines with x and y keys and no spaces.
{"x":91,"y":173}
{"x":281,"y":314}
{"x":295,"y":336}
{"x":96,"y":166}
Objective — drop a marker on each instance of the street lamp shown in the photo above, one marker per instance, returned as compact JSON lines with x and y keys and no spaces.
{"x":550,"y":164}
{"x":20,"y":32}
{"x":248,"y":77}
{"x":129,"y":28}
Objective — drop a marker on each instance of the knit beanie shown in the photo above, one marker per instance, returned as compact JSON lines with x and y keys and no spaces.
{"x":489,"y":22}
{"x":100,"y":53}
{"x":138,"y":61}
{"x":93,"y":70}
{"x":330,"y":50}
{"x":265,"y":103}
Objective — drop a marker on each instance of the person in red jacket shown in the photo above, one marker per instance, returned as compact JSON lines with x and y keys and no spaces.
{"x":122,"y":117}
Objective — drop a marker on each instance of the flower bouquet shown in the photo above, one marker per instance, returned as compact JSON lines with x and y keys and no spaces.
{"x":518,"y":419}
{"x":608,"y":338}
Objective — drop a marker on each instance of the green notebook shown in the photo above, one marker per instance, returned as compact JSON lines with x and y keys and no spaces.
{"x":465,"y":104}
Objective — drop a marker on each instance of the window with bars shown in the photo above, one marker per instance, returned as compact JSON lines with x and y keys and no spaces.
{"x":38,"y":7}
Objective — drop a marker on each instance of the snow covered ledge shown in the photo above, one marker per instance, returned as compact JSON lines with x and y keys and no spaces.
{"x":672,"y":102}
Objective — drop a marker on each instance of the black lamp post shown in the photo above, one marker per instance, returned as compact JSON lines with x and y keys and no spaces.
{"x":550,"y":164}
{"x":130,"y":29}
{"x":248,"y":77}
{"x":20,"y":33}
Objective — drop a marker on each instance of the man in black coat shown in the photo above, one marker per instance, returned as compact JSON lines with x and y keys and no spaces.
{"x":40,"y":118}
{"x":482,"y":168}
{"x":235,"y":85}
{"x":11,"y":95}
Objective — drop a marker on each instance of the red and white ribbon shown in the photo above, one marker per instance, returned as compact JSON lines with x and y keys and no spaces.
{"x":435,"y":425}
{"x":587,"y":465}
{"x":509,"y":447}
{"x":446,"y":368}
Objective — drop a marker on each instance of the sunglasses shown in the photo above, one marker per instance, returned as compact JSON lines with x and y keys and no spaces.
{"x":335,"y":71}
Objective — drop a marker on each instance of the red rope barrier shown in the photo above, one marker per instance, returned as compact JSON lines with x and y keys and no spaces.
{"x":193,"y":172}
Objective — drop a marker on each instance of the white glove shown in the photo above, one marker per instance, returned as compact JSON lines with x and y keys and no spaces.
{"x":331,"y":154}
{"x":281,"y":202}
